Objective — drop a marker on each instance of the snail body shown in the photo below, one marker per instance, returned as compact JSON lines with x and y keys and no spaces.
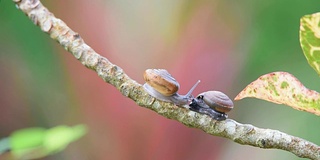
{"x":213,"y":103}
{"x":161,"y":85}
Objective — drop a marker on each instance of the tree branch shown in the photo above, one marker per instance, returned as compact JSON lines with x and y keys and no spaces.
{"x":241,"y":133}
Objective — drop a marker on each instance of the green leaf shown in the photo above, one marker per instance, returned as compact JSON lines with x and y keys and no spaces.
{"x":27,"y":138}
{"x":59,"y":137}
{"x":310,"y":39}
{"x":32,"y":143}
{"x":283,"y":88}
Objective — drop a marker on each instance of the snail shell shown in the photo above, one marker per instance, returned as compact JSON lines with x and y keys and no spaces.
{"x":217,"y":100}
{"x":162,"y":81}
{"x":161,"y":85}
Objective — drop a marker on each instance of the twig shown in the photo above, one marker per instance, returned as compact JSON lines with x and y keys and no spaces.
{"x":241,"y":133}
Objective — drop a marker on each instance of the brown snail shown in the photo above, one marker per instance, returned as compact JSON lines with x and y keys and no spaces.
{"x":161,"y":85}
{"x":213,"y":103}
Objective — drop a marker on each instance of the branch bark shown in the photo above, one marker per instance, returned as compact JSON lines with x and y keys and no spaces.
{"x":245,"y":134}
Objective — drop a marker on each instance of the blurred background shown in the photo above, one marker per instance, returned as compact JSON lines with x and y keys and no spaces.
{"x":226,"y":44}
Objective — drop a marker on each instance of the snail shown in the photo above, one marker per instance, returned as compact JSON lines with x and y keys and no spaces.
{"x":161,"y":85}
{"x":213,"y":103}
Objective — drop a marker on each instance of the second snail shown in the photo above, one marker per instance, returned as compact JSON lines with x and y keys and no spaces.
{"x":161,"y":85}
{"x":213,"y":103}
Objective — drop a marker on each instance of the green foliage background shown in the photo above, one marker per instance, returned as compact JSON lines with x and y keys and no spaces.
{"x":38,"y":88}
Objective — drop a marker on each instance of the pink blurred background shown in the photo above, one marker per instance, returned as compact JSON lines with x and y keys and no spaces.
{"x":214,"y":41}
